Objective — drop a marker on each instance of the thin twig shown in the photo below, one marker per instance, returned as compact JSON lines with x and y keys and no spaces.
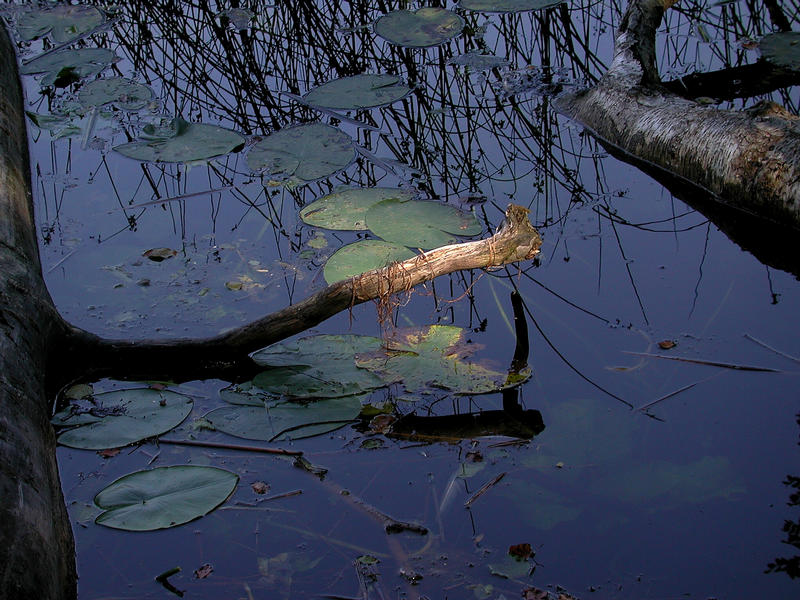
{"x":676,"y":392}
{"x":710,"y":363}
{"x":768,"y":347}
{"x":484,"y":488}
{"x":225,"y":446}
{"x":173,"y":198}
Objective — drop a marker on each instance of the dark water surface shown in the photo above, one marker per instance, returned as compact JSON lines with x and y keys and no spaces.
{"x":685,"y":499}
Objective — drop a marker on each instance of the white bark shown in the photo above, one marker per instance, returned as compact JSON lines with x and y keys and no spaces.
{"x":748,"y":159}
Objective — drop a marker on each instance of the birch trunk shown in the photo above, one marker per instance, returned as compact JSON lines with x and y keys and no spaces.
{"x":747,"y":159}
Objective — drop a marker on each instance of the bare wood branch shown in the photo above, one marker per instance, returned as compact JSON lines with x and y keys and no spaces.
{"x":226,"y":355}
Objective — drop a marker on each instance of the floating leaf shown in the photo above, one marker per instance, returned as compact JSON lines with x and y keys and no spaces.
{"x":163,"y":497}
{"x":477,"y":61}
{"x":240,"y":18}
{"x":507,"y":6}
{"x":432,"y":358}
{"x":283,"y":420}
{"x":68,"y":66}
{"x":420,"y":224}
{"x":123,"y":417}
{"x":48,"y":122}
{"x":358,"y":91}
{"x":119,"y":91}
{"x":428,"y":26}
{"x":346,"y":210}
{"x":64,"y":22}
{"x":193,"y":141}
{"x":321,"y":366}
{"x":159,"y":254}
{"x":782,"y":49}
{"x":363,"y":256}
{"x":303,"y":152}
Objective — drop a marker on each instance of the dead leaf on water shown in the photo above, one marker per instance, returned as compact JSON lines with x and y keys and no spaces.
{"x":666,"y":344}
{"x":259,"y":487}
{"x":159,"y":254}
{"x":109,"y":452}
{"x":203,"y":571}
{"x":521,"y":551}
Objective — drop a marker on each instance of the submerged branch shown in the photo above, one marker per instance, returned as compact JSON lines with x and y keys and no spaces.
{"x":226,"y":356}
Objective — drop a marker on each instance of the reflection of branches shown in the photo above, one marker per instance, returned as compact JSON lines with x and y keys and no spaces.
{"x":790,"y":566}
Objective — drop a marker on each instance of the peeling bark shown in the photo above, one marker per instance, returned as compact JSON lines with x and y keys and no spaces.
{"x":747,"y":159}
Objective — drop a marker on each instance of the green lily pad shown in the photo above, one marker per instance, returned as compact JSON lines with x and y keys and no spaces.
{"x":357,"y":92}
{"x":428,"y":26}
{"x":321,"y":366}
{"x":191,"y":142}
{"x":123,"y":417}
{"x":304,"y":152}
{"x":243,"y":394}
{"x":163,"y":497}
{"x":782,"y":49}
{"x":68,"y":66}
{"x":346,"y":210}
{"x":507,"y":6}
{"x":432,"y":358}
{"x":420,"y":224}
{"x":119,"y":91}
{"x":64,"y":22}
{"x":285,"y":420}
{"x":48,"y":122}
{"x":363,"y":256}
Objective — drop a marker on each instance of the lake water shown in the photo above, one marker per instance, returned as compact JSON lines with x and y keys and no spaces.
{"x":684,"y":499}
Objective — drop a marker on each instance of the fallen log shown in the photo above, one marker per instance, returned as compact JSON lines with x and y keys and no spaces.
{"x":749,"y":159}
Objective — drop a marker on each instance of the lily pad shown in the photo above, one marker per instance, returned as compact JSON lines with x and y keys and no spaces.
{"x":507,"y":6}
{"x":321,"y":366}
{"x":123,"y":417}
{"x":64,"y":22}
{"x":191,"y":142}
{"x":163,"y":497}
{"x":428,"y":26}
{"x":358,"y":91}
{"x":119,"y":91}
{"x":304,"y":152}
{"x":782,"y":49}
{"x":239,"y":18}
{"x":68,"y":66}
{"x":363,"y":256}
{"x":346,"y":210}
{"x":285,"y":420}
{"x":432,"y":358}
{"x":420,"y":224}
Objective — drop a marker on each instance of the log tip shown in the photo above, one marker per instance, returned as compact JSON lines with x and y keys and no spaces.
{"x":518,"y":225}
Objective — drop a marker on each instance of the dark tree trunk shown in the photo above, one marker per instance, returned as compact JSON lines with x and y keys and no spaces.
{"x":37,"y":556}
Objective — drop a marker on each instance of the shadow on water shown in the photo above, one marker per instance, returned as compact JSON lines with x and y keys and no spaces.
{"x":631,"y":259}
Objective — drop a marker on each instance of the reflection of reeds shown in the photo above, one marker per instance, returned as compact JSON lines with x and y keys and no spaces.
{"x":461,"y":134}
